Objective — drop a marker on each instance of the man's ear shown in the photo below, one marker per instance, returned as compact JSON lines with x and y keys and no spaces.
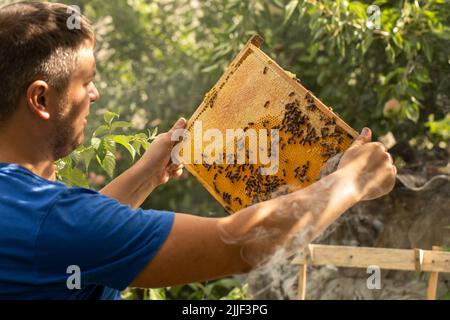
{"x":37,"y":99}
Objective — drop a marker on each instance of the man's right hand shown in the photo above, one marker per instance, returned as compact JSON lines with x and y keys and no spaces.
{"x":369,"y":166}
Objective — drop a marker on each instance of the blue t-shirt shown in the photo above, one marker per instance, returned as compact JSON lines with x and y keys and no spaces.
{"x":49,"y":232}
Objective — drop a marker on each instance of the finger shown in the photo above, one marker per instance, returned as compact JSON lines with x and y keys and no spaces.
{"x":175,"y":167}
{"x":380,"y":145}
{"x":180,"y":124}
{"x":176,"y":173}
{"x":364,"y":137}
{"x":390,"y":158}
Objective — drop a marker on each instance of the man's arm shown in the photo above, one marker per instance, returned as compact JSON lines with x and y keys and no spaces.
{"x":199,"y":249}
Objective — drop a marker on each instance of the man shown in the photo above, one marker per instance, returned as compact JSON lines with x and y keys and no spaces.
{"x":46,"y":228}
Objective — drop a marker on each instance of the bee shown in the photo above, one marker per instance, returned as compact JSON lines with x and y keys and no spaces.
{"x":324,"y":132}
{"x":265,"y":70}
{"x":292,"y":94}
{"x":300,"y":172}
{"x":331,"y":121}
{"x":266,"y":104}
{"x":338,"y":130}
{"x":309,"y":98}
{"x":311,"y":107}
{"x":226,"y":197}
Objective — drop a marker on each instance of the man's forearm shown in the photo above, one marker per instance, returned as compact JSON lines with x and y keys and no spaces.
{"x":132,"y":187}
{"x":293,"y":220}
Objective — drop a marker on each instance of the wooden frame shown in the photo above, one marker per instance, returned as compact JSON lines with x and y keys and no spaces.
{"x":264,"y":71}
{"x":433,"y":261}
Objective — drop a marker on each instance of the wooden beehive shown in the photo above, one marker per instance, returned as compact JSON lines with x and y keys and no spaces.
{"x":255,"y":92}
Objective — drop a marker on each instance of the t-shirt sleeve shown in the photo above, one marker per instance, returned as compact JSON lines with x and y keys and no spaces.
{"x":109,"y":242}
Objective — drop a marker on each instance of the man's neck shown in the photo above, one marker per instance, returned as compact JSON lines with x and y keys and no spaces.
{"x":16,"y":147}
{"x":44,"y":168}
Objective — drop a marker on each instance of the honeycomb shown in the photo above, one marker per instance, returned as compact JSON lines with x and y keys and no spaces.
{"x":256,"y":93}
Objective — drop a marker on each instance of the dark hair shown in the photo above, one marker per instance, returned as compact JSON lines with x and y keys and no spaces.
{"x":36,"y":43}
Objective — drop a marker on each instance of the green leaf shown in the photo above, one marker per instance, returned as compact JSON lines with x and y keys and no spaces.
{"x":211,"y":68}
{"x":120,"y":124}
{"x":157,"y":294}
{"x":137,"y":146}
{"x":109,"y":117}
{"x":95,"y":142}
{"x":427,"y":49}
{"x":101,"y":130}
{"x":87,"y":155}
{"x":440,"y":127}
{"x":414,"y":91}
{"x":366,"y":43}
{"x":109,"y":144}
{"x":151,"y":134}
{"x":411,"y":111}
{"x":101,"y":153}
{"x":125,"y":142}
{"x":78,"y":178}
{"x":357,"y":8}
{"x":75,"y":156}
{"x":390,"y":53}
{"x":398,"y":40}
{"x":289,"y":10}
{"x":319,"y":33}
{"x":109,"y":164}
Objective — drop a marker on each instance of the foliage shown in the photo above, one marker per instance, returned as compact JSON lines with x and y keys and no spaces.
{"x":224,"y":289}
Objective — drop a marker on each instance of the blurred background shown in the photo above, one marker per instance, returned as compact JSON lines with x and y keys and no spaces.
{"x":387,"y":68}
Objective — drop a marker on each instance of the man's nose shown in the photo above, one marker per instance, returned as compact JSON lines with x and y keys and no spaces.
{"x":94,"y":95}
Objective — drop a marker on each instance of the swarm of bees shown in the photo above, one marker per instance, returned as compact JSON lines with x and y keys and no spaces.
{"x":296,"y":130}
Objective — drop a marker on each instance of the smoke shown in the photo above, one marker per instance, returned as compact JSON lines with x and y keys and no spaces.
{"x":276,"y":277}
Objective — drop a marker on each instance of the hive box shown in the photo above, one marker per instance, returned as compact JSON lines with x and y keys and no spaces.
{"x":256,"y":97}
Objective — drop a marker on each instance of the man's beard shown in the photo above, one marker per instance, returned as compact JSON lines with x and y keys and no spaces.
{"x":64,"y":140}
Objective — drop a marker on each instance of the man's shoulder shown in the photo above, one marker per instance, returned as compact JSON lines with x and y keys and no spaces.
{"x":21,"y":190}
